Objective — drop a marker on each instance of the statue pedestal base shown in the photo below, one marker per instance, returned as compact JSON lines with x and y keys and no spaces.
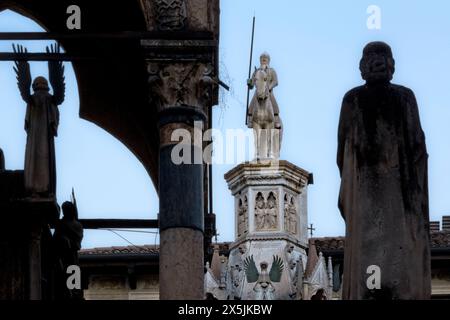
{"x":25,"y":244}
{"x":271,"y":223}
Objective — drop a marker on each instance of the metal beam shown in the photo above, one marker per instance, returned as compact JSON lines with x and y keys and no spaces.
{"x":124,"y":35}
{"x":10,"y":56}
{"x":119,"y":223}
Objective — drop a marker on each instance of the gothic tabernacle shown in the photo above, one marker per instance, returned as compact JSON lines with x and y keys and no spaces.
{"x":268,"y":259}
{"x":382,"y":159}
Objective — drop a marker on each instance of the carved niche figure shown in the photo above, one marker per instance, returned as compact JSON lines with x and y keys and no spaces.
{"x":67,"y":242}
{"x":260,"y":211}
{"x":292,"y":217}
{"x":286,"y":212}
{"x":292,"y":257}
{"x":238,"y":273}
{"x":266,"y":212}
{"x":41,"y":123}
{"x":290,"y":214}
{"x":263,"y":112}
{"x":271,"y":213}
{"x":242,"y":217}
{"x":383,"y":199}
{"x":263,"y":288}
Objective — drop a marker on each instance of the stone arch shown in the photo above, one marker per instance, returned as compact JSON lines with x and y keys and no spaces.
{"x":142,"y":199}
{"x":125,"y":114}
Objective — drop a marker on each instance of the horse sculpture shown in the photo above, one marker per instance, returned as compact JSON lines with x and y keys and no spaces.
{"x":266,"y":125}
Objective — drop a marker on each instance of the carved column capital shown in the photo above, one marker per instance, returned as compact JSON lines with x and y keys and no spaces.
{"x":180,"y":84}
{"x":167,"y":15}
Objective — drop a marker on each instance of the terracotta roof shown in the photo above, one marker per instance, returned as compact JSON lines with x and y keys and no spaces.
{"x":145,"y":249}
{"x":329,"y":243}
{"x":439,"y":239}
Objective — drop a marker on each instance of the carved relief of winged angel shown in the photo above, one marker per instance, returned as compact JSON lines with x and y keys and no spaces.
{"x":263,"y":288}
{"x":41,"y":122}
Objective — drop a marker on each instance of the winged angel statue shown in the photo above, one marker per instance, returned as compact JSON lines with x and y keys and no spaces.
{"x":41,"y":122}
{"x":264,"y":289}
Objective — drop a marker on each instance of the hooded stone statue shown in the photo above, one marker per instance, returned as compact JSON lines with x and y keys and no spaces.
{"x":66,"y":244}
{"x":383,"y":198}
{"x":41,"y":124}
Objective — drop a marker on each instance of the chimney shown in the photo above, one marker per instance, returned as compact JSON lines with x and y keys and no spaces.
{"x":446,"y":223}
{"x":434,"y":226}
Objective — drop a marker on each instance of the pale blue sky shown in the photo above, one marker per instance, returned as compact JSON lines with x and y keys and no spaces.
{"x":315,"y":48}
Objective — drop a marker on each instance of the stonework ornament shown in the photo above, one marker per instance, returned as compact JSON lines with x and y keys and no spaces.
{"x":266,"y":212}
{"x":170,"y":14}
{"x":295,"y":264}
{"x":290,"y":214}
{"x":263,"y":288}
{"x":236,"y":272}
{"x":243,"y":216}
{"x":259,"y":211}
{"x":271,"y":213}
{"x":180,"y":84}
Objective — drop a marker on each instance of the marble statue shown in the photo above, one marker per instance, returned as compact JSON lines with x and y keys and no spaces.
{"x":290,"y":214}
{"x":242,"y":217}
{"x":263,"y":112}
{"x":382,"y":158}
{"x":271,"y":213}
{"x":260,"y":212}
{"x":41,"y":123}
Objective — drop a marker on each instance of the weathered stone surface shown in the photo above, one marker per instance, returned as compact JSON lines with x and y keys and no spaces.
{"x":41,"y":123}
{"x":180,"y":84}
{"x":382,"y":159}
{"x":181,"y":266}
{"x":181,"y":15}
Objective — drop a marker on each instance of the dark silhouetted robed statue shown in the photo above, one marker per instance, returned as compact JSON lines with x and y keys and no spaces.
{"x":41,"y":123}
{"x":382,"y":159}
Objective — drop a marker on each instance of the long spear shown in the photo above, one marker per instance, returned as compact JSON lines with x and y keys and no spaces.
{"x":250,"y":70}
{"x":74,"y":201}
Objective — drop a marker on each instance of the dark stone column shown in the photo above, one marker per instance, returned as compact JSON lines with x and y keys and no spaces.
{"x":181,"y":210}
{"x":182,"y":67}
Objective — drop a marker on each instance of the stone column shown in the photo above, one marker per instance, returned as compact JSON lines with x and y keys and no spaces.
{"x":35,"y":264}
{"x":178,"y":91}
{"x":182,"y":62}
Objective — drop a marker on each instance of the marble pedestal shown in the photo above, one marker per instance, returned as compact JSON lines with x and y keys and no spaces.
{"x":271,"y":224}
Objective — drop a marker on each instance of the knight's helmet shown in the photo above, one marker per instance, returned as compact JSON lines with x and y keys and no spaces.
{"x":265,"y":55}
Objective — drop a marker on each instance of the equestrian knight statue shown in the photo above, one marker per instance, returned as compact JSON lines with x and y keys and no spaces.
{"x":263,"y":112}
